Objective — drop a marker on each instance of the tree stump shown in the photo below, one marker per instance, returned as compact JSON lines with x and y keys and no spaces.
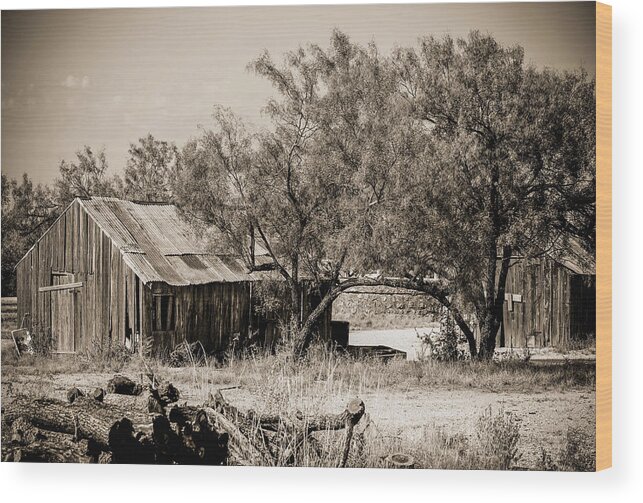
{"x":399,"y":460}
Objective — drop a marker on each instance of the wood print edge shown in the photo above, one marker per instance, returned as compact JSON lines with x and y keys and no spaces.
{"x":604,"y":236}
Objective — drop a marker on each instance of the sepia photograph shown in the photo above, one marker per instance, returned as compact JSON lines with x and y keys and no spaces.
{"x":339,"y":236}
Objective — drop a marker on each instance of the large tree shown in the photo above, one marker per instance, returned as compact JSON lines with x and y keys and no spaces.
{"x":306,"y":189}
{"x":507,"y":166}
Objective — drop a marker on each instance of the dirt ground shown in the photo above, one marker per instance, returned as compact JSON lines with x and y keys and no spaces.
{"x":402,"y":411}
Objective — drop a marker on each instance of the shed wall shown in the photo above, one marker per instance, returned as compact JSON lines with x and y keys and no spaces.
{"x":75,"y":245}
{"x":556,"y":305}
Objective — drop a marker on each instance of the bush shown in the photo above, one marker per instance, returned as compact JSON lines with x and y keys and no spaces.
{"x":498,"y":436}
{"x":576,"y":455}
{"x":445,"y":345}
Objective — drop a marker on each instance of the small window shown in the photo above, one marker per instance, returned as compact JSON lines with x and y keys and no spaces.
{"x":163,"y":313}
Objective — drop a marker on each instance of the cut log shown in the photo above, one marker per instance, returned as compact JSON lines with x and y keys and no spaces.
{"x":129,"y":446}
{"x":74,"y":393}
{"x":23,"y":432}
{"x":50,"y":451}
{"x":197,"y":443}
{"x":122,"y":385}
{"x":136,"y":403}
{"x":30,"y":444}
{"x":351,"y":415}
{"x":98,"y":394}
{"x":238,"y":425}
{"x":242,"y":449}
{"x":161,"y":396}
{"x":182,"y":415}
{"x":104,"y":458}
{"x":167,"y":393}
{"x":109,"y":427}
{"x":154,"y":405}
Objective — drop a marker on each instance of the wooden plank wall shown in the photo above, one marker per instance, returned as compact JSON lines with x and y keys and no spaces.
{"x":212,"y":314}
{"x":75,"y":244}
{"x":544,"y":312}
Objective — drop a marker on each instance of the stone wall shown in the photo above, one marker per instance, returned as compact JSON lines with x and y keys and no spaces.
{"x":383,"y":307}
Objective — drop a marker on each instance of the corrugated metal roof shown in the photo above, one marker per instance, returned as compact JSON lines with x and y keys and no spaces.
{"x":576,"y":258}
{"x":571,"y":254}
{"x":160,"y":246}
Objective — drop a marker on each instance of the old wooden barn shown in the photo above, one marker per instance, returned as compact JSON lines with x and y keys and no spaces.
{"x":550,"y":301}
{"x":111,"y":272}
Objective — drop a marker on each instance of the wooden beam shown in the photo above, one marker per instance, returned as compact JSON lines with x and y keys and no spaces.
{"x":66,"y":286}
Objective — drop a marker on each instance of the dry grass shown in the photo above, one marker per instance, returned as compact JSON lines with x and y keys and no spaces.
{"x":341,"y":372}
{"x":326,"y":380}
{"x":334,"y":371}
{"x":577,"y":454}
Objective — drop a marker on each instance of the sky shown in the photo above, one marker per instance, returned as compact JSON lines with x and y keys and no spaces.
{"x":107,"y":77}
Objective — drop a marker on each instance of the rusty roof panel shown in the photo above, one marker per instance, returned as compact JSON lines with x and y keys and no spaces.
{"x":141,"y":266}
{"x":159,"y":246}
{"x":111,"y":225}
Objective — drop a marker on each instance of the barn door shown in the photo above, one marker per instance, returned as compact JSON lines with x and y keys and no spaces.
{"x":63,"y":319}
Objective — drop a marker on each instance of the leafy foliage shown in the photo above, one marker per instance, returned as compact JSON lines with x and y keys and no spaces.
{"x":27,"y":211}
{"x":498,"y":436}
{"x":444,"y":345}
{"x":85,"y":177}
{"x":150,"y":170}
{"x":505,"y":165}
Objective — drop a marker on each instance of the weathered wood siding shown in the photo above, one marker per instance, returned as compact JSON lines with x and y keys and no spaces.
{"x":75,"y":245}
{"x":556,"y":306}
{"x":212,"y":314}
{"x":215,"y":314}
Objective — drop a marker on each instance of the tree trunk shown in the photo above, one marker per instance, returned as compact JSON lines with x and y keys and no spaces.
{"x":461,"y":322}
{"x":196,"y":443}
{"x":351,"y":415}
{"x":494,"y":302}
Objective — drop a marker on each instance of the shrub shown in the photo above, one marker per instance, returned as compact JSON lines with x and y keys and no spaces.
{"x":498,"y":436}
{"x":445,"y":344}
{"x":576,"y":455}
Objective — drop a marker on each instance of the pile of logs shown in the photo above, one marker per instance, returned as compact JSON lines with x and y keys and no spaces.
{"x":93,"y":427}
